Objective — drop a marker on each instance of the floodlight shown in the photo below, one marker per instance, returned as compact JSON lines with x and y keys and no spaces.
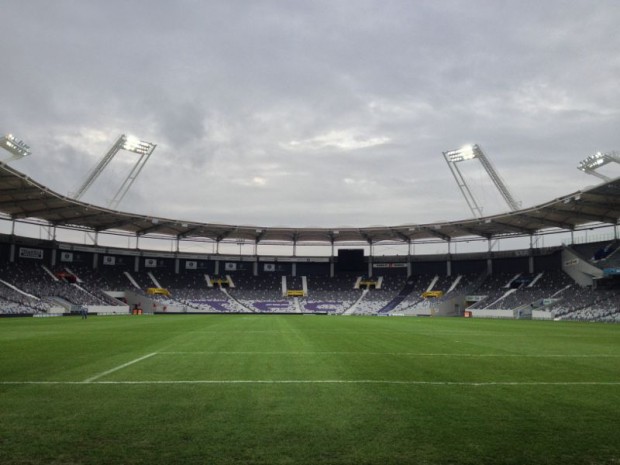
{"x":591,"y":163}
{"x":133,"y":144}
{"x":130,"y":144}
{"x":464,"y":153}
{"x":16,"y":147}
{"x":470,"y":152}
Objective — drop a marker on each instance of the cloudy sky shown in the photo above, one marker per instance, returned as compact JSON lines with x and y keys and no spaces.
{"x":311,"y":113}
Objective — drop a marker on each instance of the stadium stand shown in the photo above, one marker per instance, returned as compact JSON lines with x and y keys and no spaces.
{"x":30,"y":286}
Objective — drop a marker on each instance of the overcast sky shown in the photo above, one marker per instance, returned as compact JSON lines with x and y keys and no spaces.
{"x":311,"y":113}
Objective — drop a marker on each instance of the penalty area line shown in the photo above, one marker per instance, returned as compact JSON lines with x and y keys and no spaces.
{"x":120,"y":367}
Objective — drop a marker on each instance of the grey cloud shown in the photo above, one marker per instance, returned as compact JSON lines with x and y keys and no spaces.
{"x":223,"y":88}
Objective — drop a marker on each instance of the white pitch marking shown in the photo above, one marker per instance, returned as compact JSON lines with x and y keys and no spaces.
{"x":327,"y":381}
{"x":409,"y":354}
{"x":120,"y":367}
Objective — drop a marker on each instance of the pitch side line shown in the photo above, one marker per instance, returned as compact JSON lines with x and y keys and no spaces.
{"x":120,"y":367}
{"x":324,"y":381}
{"x":410,"y":354}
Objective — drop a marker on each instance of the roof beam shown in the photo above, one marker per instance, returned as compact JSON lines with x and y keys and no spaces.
{"x":470,"y":231}
{"x":259,"y":236}
{"x":365,"y":236}
{"x":513,"y":228}
{"x":225,"y":234}
{"x":189,"y":231}
{"x":435,"y":233}
{"x":114,"y":225}
{"x":153,"y":228}
{"x":557,"y":224}
{"x":592,"y":217}
{"x":400,"y":235}
{"x":36,"y":213}
{"x":19,"y":203}
{"x":20,"y":191}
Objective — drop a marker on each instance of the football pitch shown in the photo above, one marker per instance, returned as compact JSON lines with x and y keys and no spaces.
{"x":267,"y":389}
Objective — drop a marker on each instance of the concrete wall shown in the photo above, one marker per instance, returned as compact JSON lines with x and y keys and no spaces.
{"x":485,"y":313}
{"x":541,"y":315}
{"x":579,"y":269}
{"x":109,"y":309}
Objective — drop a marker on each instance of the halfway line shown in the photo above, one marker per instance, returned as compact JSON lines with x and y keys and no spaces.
{"x":120,"y":367}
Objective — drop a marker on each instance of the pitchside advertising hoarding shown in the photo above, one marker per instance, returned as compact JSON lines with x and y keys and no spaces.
{"x":611,"y":272}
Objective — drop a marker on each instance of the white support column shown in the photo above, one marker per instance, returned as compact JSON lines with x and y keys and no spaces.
{"x":489,"y":260}
{"x":449,"y":261}
{"x":409,"y":258}
{"x":530,"y":261}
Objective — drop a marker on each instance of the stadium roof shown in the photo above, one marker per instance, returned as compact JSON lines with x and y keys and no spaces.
{"x":22,"y":197}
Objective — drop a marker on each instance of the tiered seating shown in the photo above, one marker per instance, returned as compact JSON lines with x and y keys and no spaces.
{"x":544,"y":286}
{"x":377,"y":299}
{"x":261,"y":293}
{"x":14,"y":302}
{"x":33,"y":279}
{"x":418,"y":284}
{"x":93,"y":283}
{"x":333,"y":295}
{"x":31,"y":288}
{"x":189,"y":290}
{"x":494,"y":287}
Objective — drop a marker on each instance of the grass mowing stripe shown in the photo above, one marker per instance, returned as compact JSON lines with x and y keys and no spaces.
{"x":326,"y":381}
{"x":120,"y":367}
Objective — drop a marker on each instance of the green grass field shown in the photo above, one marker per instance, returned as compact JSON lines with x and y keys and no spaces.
{"x":239,"y":389}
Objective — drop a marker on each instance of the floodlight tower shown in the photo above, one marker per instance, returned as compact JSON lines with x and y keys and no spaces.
{"x":470,"y":152}
{"x":130,"y":144}
{"x":17,"y":148}
{"x":590,"y":164}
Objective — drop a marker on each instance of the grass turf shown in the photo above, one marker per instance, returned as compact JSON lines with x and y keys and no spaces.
{"x":245,"y":389}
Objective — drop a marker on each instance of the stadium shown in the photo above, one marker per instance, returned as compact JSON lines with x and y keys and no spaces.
{"x":228,"y":235}
{"x":187,"y":358}
{"x":573,"y":281}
